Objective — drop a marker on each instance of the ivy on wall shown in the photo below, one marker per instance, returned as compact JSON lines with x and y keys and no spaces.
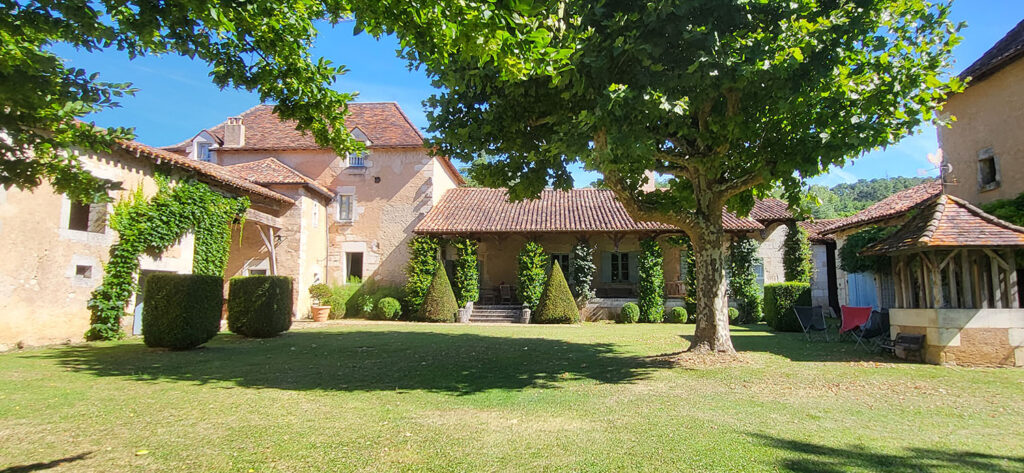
{"x":651,"y":281}
{"x":796,"y":254}
{"x":467,"y":273}
{"x":532,"y":273}
{"x":582,"y":268}
{"x":423,"y":263}
{"x":850,"y":259}
{"x":743,"y":280}
{"x":151,"y":226}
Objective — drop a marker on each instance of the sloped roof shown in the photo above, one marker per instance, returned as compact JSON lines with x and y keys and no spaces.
{"x":1005,"y":51}
{"x":269,"y":171}
{"x":949,"y":222}
{"x":206,"y":171}
{"x":814,"y":228}
{"x":890,"y":207}
{"x":770,"y":210}
{"x":383,"y":123}
{"x":480,"y":210}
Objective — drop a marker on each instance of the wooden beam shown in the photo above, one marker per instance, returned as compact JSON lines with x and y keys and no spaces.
{"x":1011,"y":279}
{"x":965,"y":276}
{"x":954,"y":299}
{"x":948,"y":258}
{"x":936,"y":281}
{"x":996,"y":258}
{"x":997,"y":290}
{"x":897,"y":280}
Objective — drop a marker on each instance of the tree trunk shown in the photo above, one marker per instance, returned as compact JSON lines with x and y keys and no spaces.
{"x":712,"y":331}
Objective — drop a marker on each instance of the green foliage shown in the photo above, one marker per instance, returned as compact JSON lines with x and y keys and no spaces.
{"x":531,"y":274}
{"x":677,"y":315}
{"x":364,"y":298}
{"x":734,"y":315}
{"x":260,"y":306}
{"x":181,"y":311}
{"x":846,"y":199}
{"x":1009,"y":210}
{"x":321,"y":293}
{"x":582,"y":269}
{"x":440,"y":304}
{"x":651,"y":281}
{"x":852,"y":262}
{"x":556,"y":305}
{"x":423,"y":263}
{"x":339,"y":299}
{"x":629,"y":314}
{"x":779,"y":299}
{"x":150,"y":226}
{"x":743,"y":281}
{"x":467,"y":272}
{"x":690,"y":278}
{"x":796,"y":254}
{"x":388,"y":308}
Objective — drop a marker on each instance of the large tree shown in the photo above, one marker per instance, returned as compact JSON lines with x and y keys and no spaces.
{"x":728,"y":98}
{"x":261,"y":46}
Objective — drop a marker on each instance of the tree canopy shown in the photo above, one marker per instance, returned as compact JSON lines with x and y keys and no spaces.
{"x":846,"y":199}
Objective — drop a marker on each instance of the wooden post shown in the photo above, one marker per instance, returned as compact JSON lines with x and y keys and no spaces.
{"x":897,"y":282}
{"x":951,"y":272}
{"x":997,"y":290}
{"x":965,"y":275}
{"x":1011,"y":279}
{"x":908,"y":283}
{"x":936,"y":280}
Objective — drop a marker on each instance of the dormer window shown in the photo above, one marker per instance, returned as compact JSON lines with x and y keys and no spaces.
{"x":203,"y":152}
{"x":355,"y":160}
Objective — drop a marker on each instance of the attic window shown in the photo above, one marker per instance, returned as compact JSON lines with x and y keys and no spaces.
{"x":356,"y":160}
{"x":203,"y":152}
{"x":988,"y":170}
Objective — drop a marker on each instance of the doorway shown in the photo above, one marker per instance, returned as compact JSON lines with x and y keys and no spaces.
{"x":354,"y":266}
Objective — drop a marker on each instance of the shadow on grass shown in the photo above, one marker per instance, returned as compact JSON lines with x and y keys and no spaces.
{"x":795,"y":347}
{"x":45,"y":466}
{"x":808,"y":457}
{"x":366,"y":361}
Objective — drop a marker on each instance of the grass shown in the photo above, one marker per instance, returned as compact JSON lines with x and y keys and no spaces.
{"x":417,"y":397}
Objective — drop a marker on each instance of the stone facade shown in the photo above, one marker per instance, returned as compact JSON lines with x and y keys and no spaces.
{"x":990,"y":337}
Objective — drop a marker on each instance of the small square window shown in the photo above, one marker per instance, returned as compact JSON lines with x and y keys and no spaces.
{"x":356,"y":160}
{"x":87,"y":217}
{"x":988,"y":170}
{"x":83,"y":271}
{"x":257,"y":272}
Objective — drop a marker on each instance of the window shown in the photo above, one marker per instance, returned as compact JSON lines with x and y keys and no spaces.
{"x":356,"y":160}
{"x":988,"y":170}
{"x":620,"y":267}
{"x":257,"y":272}
{"x":563,"y":261}
{"x":759,"y":271}
{"x":203,"y":152}
{"x":354,"y":266}
{"x":87,"y":217}
{"x":345,"y":208}
{"x":83,"y":271}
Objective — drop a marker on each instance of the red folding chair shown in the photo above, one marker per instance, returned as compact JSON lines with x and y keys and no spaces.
{"x":853,"y":319}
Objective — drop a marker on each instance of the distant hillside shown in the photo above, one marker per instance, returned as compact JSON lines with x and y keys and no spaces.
{"x":847,"y":199}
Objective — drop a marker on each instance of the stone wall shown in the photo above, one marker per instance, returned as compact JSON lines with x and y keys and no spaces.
{"x":965,"y":336}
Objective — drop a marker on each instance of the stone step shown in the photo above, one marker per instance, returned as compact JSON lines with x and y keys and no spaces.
{"x":492,"y":320}
{"x":498,"y":307}
{"x":509,"y":313}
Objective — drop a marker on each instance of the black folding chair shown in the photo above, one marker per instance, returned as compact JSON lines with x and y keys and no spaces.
{"x":872,"y":334}
{"x":812,"y":321}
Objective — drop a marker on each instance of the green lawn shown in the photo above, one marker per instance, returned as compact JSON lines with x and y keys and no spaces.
{"x":417,"y":397}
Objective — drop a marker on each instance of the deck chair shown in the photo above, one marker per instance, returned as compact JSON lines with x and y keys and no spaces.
{"x":812,"y":320}
{"x":505,"y":293}
{"x":854,"y":318}
{"x":875,"y":331}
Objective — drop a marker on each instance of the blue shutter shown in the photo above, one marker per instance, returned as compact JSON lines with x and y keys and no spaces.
{"x":606,"y":267}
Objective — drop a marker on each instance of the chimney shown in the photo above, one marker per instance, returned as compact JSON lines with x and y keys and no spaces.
{"x":234,"y":132}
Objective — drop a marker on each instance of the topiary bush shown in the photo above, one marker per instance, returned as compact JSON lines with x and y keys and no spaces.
{"x":363,"y":301}
{"x":743,"y":286}
{"x":582,"y":268}
{"x":388,"y":308}
{"x":796,"y":254}
{"x":650,"y":281}
{"x":423,"y":263}
{"x":629,"y":314}
{"x":779,"y":299}
{"x":531,"y":274}
{"x":440,"y":304}
{"x":260,"y":306}
{"x":556,"y":305}
{"x":181,"y":311}
{"x":467,"y":273}
{"x":734,"y":315}
{"x":340,"y":296}
{"x":677,"y":315}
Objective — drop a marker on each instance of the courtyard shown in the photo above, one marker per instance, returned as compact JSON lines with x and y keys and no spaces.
{"x":396,"y":396}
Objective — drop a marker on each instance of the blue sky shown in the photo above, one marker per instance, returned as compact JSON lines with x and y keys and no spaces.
{"x":176,"y":97}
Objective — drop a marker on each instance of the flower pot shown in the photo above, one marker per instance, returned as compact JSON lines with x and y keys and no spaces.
{"x":320,"y":312}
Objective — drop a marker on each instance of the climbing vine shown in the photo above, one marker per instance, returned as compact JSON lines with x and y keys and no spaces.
{"x":743,"y":279}
{"x":796,"y":254}
{"x":467,"y":275}
{"x":422,"y":265}
{"x":850,"y":259}
{"x":651,"y":281}
{"x":532,"y":273}
{"x":151,"y":226}
{"x":582,"y":268}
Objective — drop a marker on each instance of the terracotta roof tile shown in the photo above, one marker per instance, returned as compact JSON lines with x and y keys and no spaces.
{"x":270,"y":171}
{"x":1005,"y":51}
{"x":478,"y":210}
{"x":205,"y":171}
{"x":950,"y":222}
{"x":892,"y":206}
{"x":814,"y":228}
{"x":770,"y":210}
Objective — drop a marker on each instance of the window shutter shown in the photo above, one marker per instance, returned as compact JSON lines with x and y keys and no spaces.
{"x":606,"y":267}
{"x":633,"y":277}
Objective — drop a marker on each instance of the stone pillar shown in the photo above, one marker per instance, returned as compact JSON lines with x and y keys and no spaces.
{"x":524,"y":318}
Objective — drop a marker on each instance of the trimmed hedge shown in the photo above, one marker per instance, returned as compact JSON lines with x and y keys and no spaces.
{"x":388,"y":308}
{"x":734,"y":314}
{"x":779,"y":299}
{"x":439,"y":305}
{"x":651,"y":282}
{"x":260,"y":306}
{"x":629,"y":314}
{"x":181,"y":311}
{"x":677,"y":315}
{"x":556,"y":305}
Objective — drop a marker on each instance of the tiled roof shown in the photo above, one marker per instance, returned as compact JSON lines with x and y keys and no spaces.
{"x":770,"y":210}
{"x":269,"y":171}
{"x":950,"y":222}
{"x":384,"y":124}
{"x":814,"y":228}
{"x":892,"y":206}
{"x":1005,"y":51}
{"x":205,"y":171}
{"x":478,"y":210}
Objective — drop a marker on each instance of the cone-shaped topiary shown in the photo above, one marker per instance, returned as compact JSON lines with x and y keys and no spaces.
{"x":439,"y":305}
{"x":556,"y":305}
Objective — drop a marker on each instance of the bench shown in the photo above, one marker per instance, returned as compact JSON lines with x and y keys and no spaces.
{"x":907,"y":343}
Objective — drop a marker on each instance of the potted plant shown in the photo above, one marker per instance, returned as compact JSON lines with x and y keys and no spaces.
{"x":320,"y":294}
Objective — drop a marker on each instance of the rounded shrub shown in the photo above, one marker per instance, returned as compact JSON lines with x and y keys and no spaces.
{"x":181,"y":311}
{"x":439,"y":305}
{"x":629,"y":314}
{"x":388,"y":308}
{"x":321,"y":293}
{"x":556,"y":304}
{"x":779,"y":299}
{"x":677,"y":315}
{"x":734,"y":314}
{"x":260,"y":306}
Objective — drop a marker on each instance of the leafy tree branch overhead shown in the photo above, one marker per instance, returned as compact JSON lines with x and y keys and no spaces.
{"x":729,"y":98}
